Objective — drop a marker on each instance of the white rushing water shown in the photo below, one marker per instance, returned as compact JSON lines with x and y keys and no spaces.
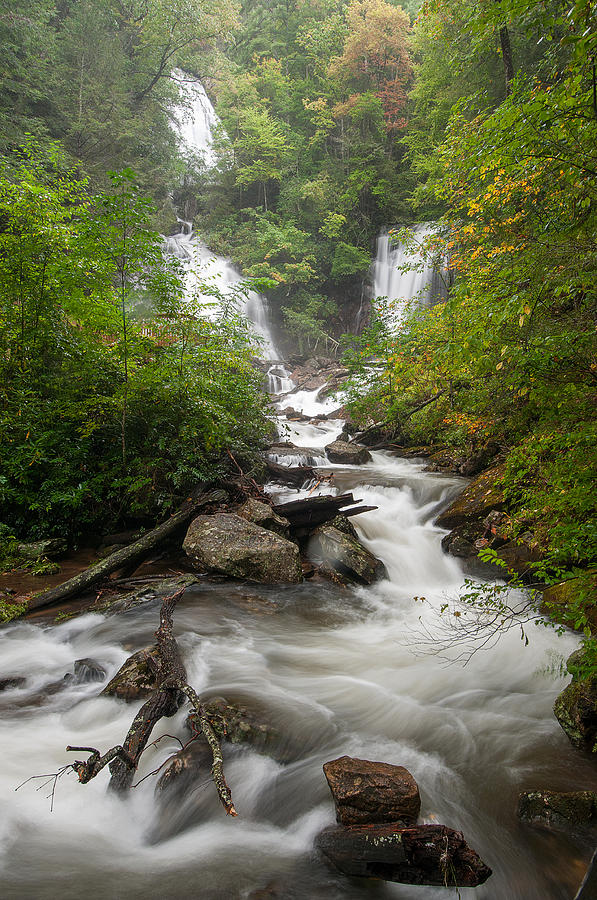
{"x":333,"y":671}
{"x":405,"y":274}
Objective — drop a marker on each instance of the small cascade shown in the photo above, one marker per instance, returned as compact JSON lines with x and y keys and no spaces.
{"x":424,"y":283}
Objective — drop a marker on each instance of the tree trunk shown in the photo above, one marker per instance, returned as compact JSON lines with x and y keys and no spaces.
{"x":133,"y":553}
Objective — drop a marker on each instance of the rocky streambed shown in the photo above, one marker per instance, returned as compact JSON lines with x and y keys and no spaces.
{"x":329,"y":646}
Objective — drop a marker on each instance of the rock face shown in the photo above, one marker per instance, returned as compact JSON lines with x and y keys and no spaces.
{"x":349,"y":454}
{"x":477,"y":499}
{"x":228,"y":544}
{"x":263,"y":515}
{"x":342,"y":553}
{"x":372,"y":792}
{"x":570,"y":811}
{"x":421,"y":854}
{"x":136,"y":678}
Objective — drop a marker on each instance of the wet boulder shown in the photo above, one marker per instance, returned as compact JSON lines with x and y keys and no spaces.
{"x":235,"y":723}
{"x":368,"y":792}
{"x":227,"y":544}
{"x":342,"y":553}
{"x":347,"y":454}
{"x":137,"y":677}
{"x":477,"y":499}
{"x":574,"y":812}
{"x":263,"y":515}
{"x":576,"y":709}
{"x":419,"y":854}
{"x":190,"y":764}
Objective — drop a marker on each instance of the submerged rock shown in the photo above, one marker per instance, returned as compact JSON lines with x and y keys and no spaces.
{"x":86,"y":670}
{"x":349,"y":454}
{"x":342,"y":553}
{"x":368,"y":792}
{"x":263,"y":515}
{"x":192,"y":763}
{"x":137,"y":677}
{"x":420,"y":854}
{"x":228,"y":544}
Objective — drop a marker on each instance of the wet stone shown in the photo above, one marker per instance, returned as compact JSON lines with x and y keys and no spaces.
{"x":368,"y":792}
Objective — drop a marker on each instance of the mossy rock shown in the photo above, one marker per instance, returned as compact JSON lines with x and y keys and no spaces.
{"x":561,"y":601}
{"x":576,"y":711}
{"x":477,"y":499}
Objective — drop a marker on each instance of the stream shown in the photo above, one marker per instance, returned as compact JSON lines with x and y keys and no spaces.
{"x":333,"y":671}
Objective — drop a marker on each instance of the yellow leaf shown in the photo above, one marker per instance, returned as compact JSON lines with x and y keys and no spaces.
{"x":499,"y":366}
{"x":520,"y":321}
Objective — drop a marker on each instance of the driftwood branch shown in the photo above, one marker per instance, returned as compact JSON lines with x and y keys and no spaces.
{"x":170,"y":692}
{"x":134,"y":553}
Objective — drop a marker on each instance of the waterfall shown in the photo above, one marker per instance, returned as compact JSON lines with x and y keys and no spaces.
{"x":194,"y":120}
{"x":402,"y":275}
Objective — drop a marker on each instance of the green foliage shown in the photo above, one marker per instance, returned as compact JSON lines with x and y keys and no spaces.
{"x":104,"y":416}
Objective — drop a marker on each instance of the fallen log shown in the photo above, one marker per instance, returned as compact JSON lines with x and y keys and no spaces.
{"x":134,"y":553}
{"x":295,"y":476}
{"x":169,"y":695}
{"x":313,"y":511}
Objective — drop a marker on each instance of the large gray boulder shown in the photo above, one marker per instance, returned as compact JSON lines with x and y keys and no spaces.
{"x":342,"y":553}
{"x":228,"y":544}
{"x":263,"y":515}
{"x":347,"y":454}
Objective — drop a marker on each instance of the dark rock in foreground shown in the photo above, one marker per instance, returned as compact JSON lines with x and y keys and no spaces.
{"x":368,"y":792}
{"x":420,"y":854}
{"x":347,"y":454}
{"x":343,"y":554}
{"x":228,"y":544}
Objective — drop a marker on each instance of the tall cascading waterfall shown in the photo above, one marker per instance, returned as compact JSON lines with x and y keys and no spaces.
{"x":405,"y":275}
{"x":194,"y":121}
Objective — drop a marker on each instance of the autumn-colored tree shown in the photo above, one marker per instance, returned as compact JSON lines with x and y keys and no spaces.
{"x":376,"y":56}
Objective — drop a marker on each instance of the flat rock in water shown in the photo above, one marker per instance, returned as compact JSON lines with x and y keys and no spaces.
{"x":228,"y":544}
{"x":348,"y":454}
{"x":477,"y":499}
{"x":569,"y":811}
{"x":368,"y":792}
{"x":137,"y":677}
{"x":420,"y":854}
{"x":263,"y":515}
{"x":344,"y":554}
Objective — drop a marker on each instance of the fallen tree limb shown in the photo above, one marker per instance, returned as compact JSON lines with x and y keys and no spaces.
{"x":133,"y":553}
{"x":171,"y":690}
{"x":314,"y":511}
{"x":295,"y":476}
